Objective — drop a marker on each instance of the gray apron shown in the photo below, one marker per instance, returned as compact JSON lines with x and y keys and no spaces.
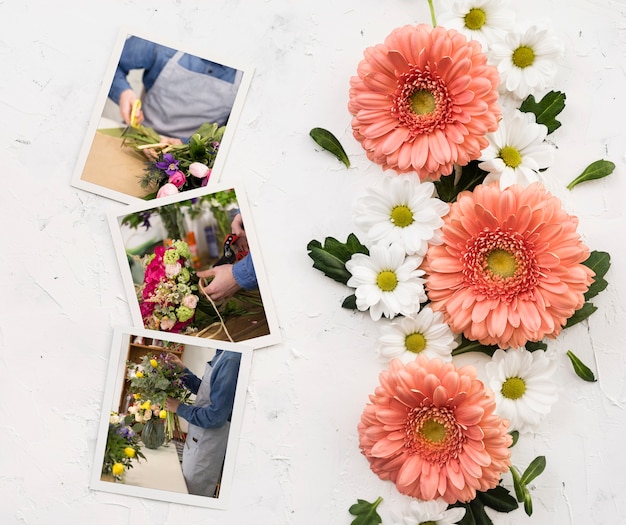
{"x":181,"y":100}
{"x":203,"y":455}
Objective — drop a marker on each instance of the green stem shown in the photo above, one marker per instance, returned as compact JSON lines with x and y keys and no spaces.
{"x":432,"y":13}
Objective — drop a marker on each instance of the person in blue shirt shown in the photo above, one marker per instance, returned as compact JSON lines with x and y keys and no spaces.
{"x":181,"y":91}
{"x":227,"y":279}
{"x":209,"y":420}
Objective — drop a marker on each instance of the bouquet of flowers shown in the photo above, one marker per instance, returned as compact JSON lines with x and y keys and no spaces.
{"x":464,"y":249}
{"x":122,"y":447}
{"x":176,"y":167}
{"x":168,"y":297}
{"x":154,"y":380}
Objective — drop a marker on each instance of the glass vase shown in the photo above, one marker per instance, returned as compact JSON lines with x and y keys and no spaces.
{"x":153,"y":434}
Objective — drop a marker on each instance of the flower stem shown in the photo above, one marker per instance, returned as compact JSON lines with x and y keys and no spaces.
{"x":432,"y":13}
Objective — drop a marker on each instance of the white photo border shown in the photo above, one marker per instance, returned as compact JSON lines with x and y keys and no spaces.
{"x":117,"y":363}
{"x":116,"y":214}
{"x":125,"y":32}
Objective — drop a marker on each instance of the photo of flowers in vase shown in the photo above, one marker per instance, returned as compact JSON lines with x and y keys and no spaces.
{"x":193,"y":267}
{"x":171,"y":417}
{"x":163,"y":123}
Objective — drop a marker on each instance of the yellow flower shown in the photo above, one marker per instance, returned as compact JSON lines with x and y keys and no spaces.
{"x":163,"y":414}
{"x":136,"y":396}
{"x":145,"y":405}
{"x":130,"y":452}
{"x":154,"y":363}
{"x":139,"y":374}
{"x":117,"y":469}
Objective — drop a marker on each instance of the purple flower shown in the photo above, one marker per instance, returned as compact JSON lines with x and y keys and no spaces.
{"x":169,"y":164}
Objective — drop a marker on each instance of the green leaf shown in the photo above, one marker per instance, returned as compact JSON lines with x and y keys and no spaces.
{"x":471,"y":176}
{"x":365,"y":512}
{"x":582,"y":370}
{"x":546,"y":109}
{"x":329,"y":142}
{"x":331,"y":258}
{"x":533,"y":346}
{"x":349,"y":302}
{"x":498,"y":498}
{"x":467,"y":346}
{"x":581,"y":314}
{"x":515,"y":436}
{"x":596,"y":170}
{"x":528,"y":504}
{"x":599,"y":262}
{"x":536,"y":467}
{"x":474,"y":513}
{"x":520,"y":489}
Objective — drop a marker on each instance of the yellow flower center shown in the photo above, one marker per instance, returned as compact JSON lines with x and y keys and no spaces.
{"x":475,"y":19}
{"x":510,"y":156}
{"x":502,"y":263}
{"x":513,"y":388}
{"x":422,"y":102}
{"x":415,"y":343}
{"x":429,"y":522}
{"x":523,"y":56}
{"x":387,"y":280}
{"x":402,"y":216}
{"x":433,"y":431}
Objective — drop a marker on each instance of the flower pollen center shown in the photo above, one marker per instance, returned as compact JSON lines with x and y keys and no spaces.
{"x":510,"y":156}
{"x":172,"y":167}
{"x":387,"y":280}
{"x":475,"y":19}
{"x":423,"y":102}
{"x":402,"y":216}
{"x":501,"y":263}
{"x":415,"y":343}
{"x":513,"y":388}
{"x":523,"y":56}
{"x":429,"y":522}
{"x":433,"y":431}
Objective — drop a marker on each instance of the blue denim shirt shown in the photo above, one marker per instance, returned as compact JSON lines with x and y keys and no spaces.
{"x":151,"y":57}
{"x":244,"y":274}
{"x":223,"y":386}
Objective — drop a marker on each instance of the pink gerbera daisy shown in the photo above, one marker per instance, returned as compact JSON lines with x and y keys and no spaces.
{"x":509,"y":270}
{"x":431,"y":429}
{"x":424,"y":100}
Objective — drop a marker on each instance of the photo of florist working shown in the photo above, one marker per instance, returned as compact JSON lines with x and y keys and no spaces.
{"x":175,"y":413}
{"x":194,"y":269}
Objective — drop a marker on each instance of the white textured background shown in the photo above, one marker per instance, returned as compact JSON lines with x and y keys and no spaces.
{"x":298,"y":460}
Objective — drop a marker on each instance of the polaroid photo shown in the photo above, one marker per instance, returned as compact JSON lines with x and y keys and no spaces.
{"x":194,"y":267}
{"x":146,"y":451}
{"x":163,"y":122}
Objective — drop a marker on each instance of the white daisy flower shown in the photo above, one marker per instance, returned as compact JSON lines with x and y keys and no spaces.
{"x":387,"y":281}
{"x":434,"y":511}
{"x":485,"y":21}
{"x":524,"y":386}
{"x":403,"y":210}
{"x":425,"y":333}
{"x":527,"y":62}
{"x":517,"y":150}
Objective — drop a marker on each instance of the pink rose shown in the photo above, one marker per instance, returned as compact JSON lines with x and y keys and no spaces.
{"x":199,"y":170}
{"x":167,"y":323}
{"x":190,"y":301}
{"x":178,"y":179}
{"x":172,"y":270}
{"x":167,"y":189}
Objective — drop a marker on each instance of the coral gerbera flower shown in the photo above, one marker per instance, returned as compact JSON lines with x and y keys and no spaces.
{"x":424,"y":100}
{"x":431,"y":429}
{"x":510,"y":267}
